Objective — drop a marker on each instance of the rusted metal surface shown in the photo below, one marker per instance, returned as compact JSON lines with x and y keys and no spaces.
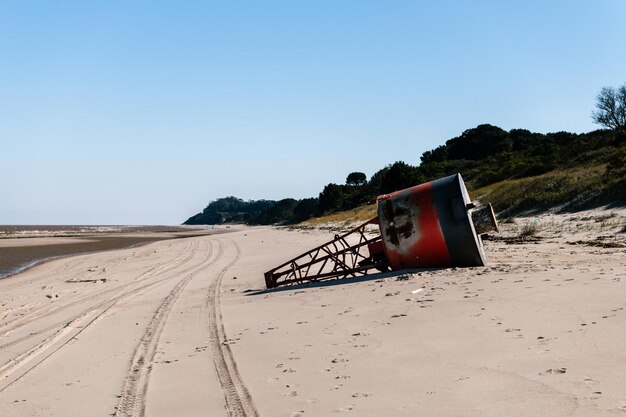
{"x":409,"y":225}
{"x":350,"y":254}
{"x":430,"y":225}
{"x":484,"y":220}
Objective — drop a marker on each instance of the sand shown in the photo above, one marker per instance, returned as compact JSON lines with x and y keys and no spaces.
{"x":21,"y":249}
{"x":183,"y":327}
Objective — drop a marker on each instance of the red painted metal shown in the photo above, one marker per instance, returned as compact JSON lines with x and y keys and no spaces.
{"x":426,"y":226}
{"x":409,"y":224}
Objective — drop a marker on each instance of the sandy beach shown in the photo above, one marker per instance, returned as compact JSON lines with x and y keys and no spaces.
{"x":185,"y":327}
{"x":22,"y":247}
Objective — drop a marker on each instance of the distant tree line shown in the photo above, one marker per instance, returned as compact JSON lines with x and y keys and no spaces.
{"x":484,"y":155}
{"x":259,"y":212}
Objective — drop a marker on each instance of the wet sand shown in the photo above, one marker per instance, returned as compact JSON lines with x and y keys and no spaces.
{"x":22,"y":247}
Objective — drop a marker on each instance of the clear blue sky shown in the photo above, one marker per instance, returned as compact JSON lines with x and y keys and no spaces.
{"x":141,"y":112}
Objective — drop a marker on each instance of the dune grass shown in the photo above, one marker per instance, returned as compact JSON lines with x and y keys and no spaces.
{"x":358,"y":215}
{"x":571,"y":187}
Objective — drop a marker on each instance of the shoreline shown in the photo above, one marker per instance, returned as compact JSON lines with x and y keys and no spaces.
{"x":183,"y":327}
{"x":18,"y":254}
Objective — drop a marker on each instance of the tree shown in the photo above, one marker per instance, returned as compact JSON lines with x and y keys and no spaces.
{"x":611,"y":108}
{"x":331,"y":198}
{"x":439,"y":154}
{"x":477,"y":143}
{"x":305,"y":209}
{"x":399,"y":176}
{"x":280,"y":212}
{"x":356,"y":178}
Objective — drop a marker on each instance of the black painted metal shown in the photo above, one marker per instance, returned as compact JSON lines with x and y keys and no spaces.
{"x":452,"y":202}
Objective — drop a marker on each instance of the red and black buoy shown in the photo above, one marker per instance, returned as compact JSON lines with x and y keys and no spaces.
{"x":431,"y":225}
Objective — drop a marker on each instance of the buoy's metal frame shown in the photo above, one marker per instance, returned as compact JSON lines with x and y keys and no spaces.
{"x":431,"y":225}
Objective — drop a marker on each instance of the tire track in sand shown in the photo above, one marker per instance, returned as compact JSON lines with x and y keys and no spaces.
{"x":238,"y":400}
{"x":133,"y":397}
{"x":69,"y":332}
{"x":8,"y":326}
{"x":121,"y":294}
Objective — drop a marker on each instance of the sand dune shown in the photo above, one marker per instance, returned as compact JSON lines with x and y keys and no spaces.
{"x":184,"y":327}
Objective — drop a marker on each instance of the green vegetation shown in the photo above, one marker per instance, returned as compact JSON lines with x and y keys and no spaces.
{"x":236,"y":210}
{"x":360,"y":214}
{"x":516,"y":170}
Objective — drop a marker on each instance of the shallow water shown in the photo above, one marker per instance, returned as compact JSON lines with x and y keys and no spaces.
{"x":17,"y":258}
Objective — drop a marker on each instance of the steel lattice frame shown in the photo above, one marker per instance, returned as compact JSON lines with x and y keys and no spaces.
{"x":335,"y":259}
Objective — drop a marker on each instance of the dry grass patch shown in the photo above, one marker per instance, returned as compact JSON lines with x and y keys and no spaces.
{"x":552,"y":189}
{"x":357,"y":215}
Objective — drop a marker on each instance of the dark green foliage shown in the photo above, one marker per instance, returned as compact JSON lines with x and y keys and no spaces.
{"x":391,"y":178}
{"x":487,"y":154}
{"x":229,"y":210}
{"x":236,"y":210}
{"x":400,"y":175}
{"x":356,"y":178}
{"x":205,"y":218}
{"x":617,"y":162}
{"x":478,"y":143}
{"x":439,"y":154}
{"x":484,"y":155}
{"x":374,"y":185}
{"x":305,"y":209}
{"x":280,"y":212}
{"x":331,"y":198}
{"x":615,"y":176}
